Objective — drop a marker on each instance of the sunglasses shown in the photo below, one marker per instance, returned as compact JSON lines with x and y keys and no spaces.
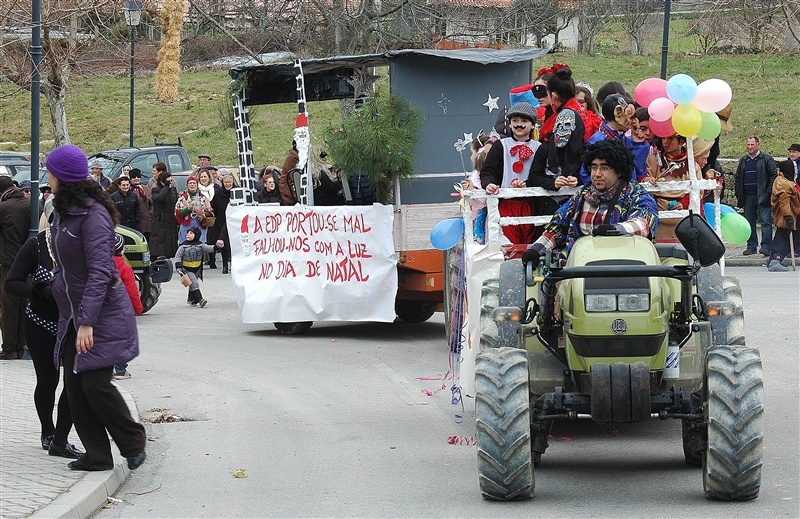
{"x":539,"y":91}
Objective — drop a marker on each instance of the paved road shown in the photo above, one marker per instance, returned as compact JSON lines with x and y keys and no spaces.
{"x":337,"y":423}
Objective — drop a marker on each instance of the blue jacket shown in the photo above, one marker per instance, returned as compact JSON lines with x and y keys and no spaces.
{"x":88,"y":290}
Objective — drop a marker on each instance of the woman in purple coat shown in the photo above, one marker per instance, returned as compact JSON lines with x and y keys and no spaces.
{"x":96,"y":322}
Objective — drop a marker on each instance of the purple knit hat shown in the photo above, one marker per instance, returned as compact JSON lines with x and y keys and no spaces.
{"x":68,"y":163}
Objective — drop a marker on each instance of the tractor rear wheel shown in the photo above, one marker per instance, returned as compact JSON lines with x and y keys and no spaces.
{"x":502,"y":413}
{"x":508,"y":289}
{"x":713,"y":286}
{"x":693,"y":442}
{"x":735,"y":395}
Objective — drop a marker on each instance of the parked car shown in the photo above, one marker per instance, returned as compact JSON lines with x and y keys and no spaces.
{"x":24,"y":173}
{"x":14,"y":157}
{"x":173,"y":155}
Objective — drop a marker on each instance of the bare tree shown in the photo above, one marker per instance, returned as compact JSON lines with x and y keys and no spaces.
{"x":62,"y":45}
{"x":593,"y":16}
{"x":757,"y":18}
{"x":711,"y":30}
{"x":634,"y":15}
{"x":791,"y":10}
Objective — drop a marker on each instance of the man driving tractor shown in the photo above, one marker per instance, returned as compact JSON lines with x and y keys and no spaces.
{"x":611,"y":205}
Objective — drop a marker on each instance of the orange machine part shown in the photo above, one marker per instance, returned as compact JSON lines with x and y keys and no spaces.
{"x":420,"y":275}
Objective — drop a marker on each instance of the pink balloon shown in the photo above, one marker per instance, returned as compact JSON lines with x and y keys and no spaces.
{"x":662,"y":128}
{"x":650,"y":89}
{"x":661,"y":109}
{"x":712,"y":95}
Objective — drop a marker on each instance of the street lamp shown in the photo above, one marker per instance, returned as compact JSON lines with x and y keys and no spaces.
{"x":133,"y":15}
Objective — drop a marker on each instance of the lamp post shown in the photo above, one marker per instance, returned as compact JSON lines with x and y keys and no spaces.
{"x":133,"y":15}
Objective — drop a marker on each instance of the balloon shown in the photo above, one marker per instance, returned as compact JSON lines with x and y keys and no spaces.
{"x":662,"y":128}
{"x":446,"y":233}
{"x":660,"y":109}
{"x":681,"y":89}
{"x":649,"y":89}
{"x":735,"y":228}
{"x":712,"y":95}
{"x":710,"y":127}
{"x":708,"y":211}
{"x":686,"y":120}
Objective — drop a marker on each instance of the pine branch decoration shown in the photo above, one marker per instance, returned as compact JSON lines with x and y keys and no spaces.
{"x":378,"y":141}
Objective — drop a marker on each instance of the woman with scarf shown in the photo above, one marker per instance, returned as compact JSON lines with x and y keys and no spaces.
{"x":189,"y":262}
{"x":206,"y":185}
{"x":192,"y":209}
{"x":96,"y":325}
{"x":612,"y":204}
{"x":558,"y":160}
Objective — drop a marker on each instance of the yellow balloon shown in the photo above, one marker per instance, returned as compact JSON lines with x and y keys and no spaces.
{"x":687,"y":120}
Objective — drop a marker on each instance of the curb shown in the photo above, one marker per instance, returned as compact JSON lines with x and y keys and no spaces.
{"x":92,"y":491}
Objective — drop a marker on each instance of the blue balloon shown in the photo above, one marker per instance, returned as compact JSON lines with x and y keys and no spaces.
{"x":681,"y":88}
{"x":708,"y":210}
{"x":446,"y":234}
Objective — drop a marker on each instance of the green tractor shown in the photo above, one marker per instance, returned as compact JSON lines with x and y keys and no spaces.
{"x":149,"y":275}
{"x":627,"y":331}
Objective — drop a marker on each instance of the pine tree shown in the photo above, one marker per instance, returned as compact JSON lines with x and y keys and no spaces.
{"x":378,"y":141}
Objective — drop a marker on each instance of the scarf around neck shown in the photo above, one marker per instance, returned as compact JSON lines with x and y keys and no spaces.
{"x":597,"y":198}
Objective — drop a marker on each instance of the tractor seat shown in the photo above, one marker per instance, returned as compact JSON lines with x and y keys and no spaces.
{"x":671,"y":250}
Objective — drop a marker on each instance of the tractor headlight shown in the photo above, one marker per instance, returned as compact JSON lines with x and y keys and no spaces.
{"x":601,"y":302}
{"x":633,"y":302}
{"x":614,"y":302}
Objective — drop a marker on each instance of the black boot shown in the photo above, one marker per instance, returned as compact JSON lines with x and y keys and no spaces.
{"x":212,"y":260}
{"x":200,"y":299}
{"x":224,"y":266}
{"x":193,"y":299}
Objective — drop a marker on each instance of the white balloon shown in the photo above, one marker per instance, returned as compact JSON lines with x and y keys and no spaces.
{"x":712,"y":95}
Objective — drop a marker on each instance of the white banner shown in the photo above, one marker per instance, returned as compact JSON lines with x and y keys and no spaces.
{"x":292,"y":264}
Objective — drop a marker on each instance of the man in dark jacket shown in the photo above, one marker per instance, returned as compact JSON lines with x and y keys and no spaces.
{"x":127,"y":203}
{"x":755,"y":175}
{"x":15,"y":216}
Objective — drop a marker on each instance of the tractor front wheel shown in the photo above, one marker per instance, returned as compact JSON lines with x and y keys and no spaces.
{"x":735,"y":396}
{"x":502,"y":413}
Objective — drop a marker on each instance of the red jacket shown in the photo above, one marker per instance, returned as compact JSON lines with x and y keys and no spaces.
{"x":126,"y":274}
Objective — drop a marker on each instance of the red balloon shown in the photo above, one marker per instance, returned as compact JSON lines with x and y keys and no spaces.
{"x":650,"y":89}
{"x":662,"y":128}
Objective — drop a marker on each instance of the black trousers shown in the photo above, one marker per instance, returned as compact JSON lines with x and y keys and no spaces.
{"x":11,"y":317}
{"x":41,"y":344}
{"x":780,"y":243}
{"x":98,"y":407}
